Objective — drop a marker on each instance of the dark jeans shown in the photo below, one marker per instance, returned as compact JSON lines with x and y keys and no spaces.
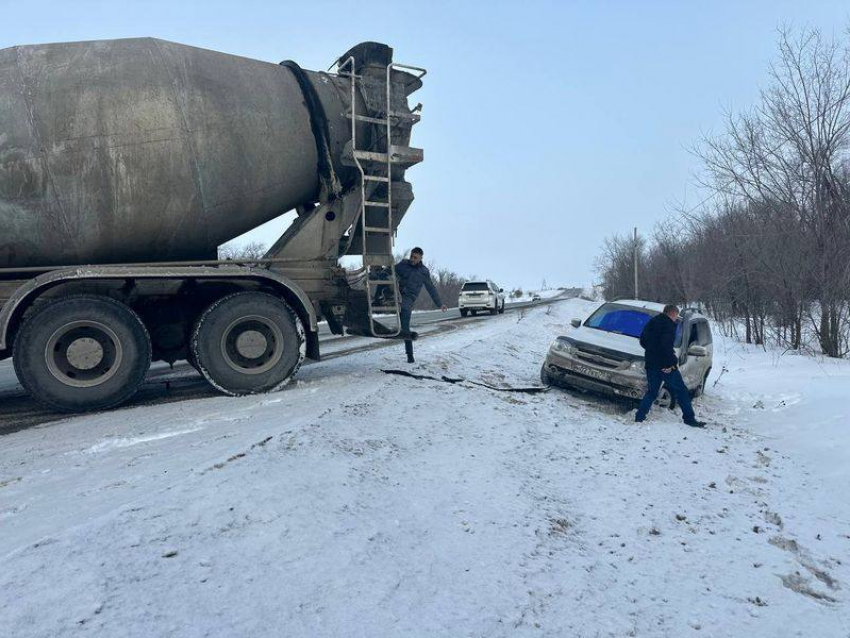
{"x":406,"y":312}
{"x":675,"y":384}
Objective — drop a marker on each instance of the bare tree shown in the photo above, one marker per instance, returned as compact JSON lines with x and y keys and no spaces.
{"x":616,"y":266}
{"x":447,"y":282}
{"x":788,"y":158}
{"x":247,"y":252}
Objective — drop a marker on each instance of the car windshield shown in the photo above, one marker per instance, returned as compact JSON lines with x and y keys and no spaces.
{"x":624,"y":320}
{"x":475,"y":285}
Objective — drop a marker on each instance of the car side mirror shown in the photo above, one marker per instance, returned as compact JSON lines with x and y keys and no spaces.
{"x":501,"y":290}
{"x":575,"y":323}
{"x":698,"y":351}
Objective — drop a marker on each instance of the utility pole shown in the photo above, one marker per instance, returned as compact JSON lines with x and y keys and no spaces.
{"x":636,"y":263}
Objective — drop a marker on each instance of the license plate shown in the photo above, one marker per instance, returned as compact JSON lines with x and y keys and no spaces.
{"x":590,"y":372}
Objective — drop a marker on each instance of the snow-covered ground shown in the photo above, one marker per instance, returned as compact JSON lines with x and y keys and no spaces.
{"x":356,"y":503}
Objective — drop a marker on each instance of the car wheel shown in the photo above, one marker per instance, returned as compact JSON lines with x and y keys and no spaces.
{"x":665,"y":399}
{"x":82,"y":353}
{"x":464,"y":312}
{"x":248,"y":342}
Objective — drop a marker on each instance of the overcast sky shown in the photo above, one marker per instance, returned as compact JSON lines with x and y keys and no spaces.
{"x":546,"y":125}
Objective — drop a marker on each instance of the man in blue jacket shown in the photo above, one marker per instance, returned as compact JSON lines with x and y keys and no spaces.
{"x":662,"y":366}
{"x":412,"y":275}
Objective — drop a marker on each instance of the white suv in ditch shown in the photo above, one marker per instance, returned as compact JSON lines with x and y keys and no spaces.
{"x":481,"y":295}
{"x":603,"y":354}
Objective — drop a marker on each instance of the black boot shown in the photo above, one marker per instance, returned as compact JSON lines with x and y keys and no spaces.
{"x":694,"y":423}
{"x":408,"y":348}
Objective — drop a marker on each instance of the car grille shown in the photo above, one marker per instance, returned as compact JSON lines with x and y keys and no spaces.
{"x":606,"y":360}
{"x":589,"y":383}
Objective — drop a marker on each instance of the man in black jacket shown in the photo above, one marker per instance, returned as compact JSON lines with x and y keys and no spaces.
{"x":662,"y":366}
{"x":412,"y":275}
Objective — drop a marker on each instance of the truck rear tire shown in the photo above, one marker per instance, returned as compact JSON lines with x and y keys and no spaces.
{"x":82,"y":353}
{"x":464,"y":312}
{"x":247,"y":343}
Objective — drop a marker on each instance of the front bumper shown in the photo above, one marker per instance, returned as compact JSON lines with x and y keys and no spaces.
{"x":567,"y":372}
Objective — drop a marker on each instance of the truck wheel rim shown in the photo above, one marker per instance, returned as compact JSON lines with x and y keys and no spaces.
{"x":252,"y":345}
{"x":83,"y":354}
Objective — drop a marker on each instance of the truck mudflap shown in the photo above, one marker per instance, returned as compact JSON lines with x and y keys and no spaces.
{"x":21,"y":299}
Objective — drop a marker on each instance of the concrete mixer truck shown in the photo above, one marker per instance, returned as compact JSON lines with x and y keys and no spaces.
{"x":125,"y":164}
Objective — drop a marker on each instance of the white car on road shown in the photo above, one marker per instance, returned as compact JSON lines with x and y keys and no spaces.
{"x":481,"y":295}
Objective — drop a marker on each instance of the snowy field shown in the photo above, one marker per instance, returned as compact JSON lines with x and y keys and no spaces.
{"x":356,"y":503}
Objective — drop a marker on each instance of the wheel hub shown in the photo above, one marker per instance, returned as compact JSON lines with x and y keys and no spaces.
{"x":252,"y":344}
{"x":83,"y":354}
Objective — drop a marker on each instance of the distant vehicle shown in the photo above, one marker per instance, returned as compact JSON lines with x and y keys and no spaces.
{"x":604,"y":354}
{"x":535,"y":297}
{"x":481,"y":295}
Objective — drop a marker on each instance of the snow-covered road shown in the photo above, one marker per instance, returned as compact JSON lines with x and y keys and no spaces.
{"x":354,"y":503}
{"x":165,"y":384}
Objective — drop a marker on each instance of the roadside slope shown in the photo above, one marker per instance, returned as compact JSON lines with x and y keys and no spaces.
{"x":361,"y":504}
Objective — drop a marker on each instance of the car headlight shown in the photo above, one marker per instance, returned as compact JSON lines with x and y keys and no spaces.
{"x":563,"y":346}
{"x":637,"y":366}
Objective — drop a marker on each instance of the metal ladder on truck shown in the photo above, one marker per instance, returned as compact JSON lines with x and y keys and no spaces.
{"x":376,"y":213}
